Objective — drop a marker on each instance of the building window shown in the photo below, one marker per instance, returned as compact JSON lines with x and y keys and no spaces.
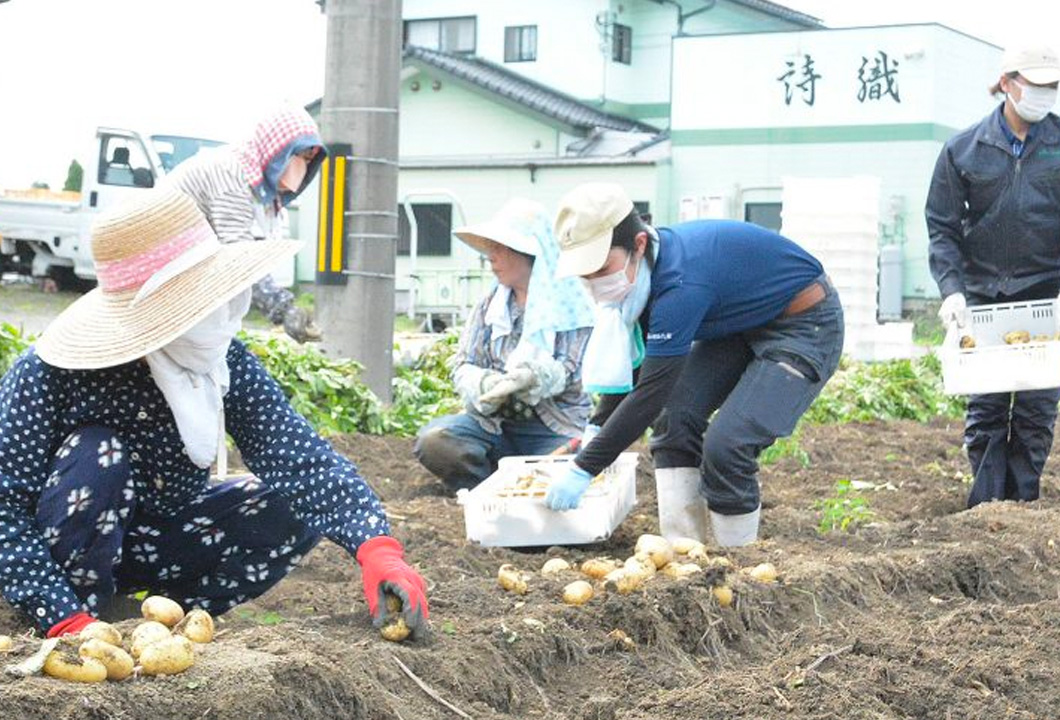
{"x":763,"y":214}
{"x":520,"y":43}
{"x":452,"y":35}
{"x":434,"y":227}
{"x":622,"y":43}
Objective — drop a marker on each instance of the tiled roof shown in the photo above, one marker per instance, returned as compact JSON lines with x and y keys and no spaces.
{"x":780,"y":11}
{"x":539,"y":98}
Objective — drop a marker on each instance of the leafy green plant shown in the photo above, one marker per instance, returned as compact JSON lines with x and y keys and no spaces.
{"x":843,"y":510}
{"x":786,"y":447}
{"x":12,"y":343}
{"x":893,"y":390}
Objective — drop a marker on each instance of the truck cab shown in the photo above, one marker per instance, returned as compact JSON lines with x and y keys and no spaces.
{"x":47,"y":234}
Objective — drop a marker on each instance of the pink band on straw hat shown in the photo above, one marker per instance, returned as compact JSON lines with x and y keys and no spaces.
{"x":133,"y":271}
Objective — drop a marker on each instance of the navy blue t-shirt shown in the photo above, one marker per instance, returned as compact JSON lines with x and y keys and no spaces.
{"x":720,"y":277}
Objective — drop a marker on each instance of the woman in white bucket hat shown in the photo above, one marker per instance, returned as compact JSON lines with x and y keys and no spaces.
{"x":110,"y":423}
{"x":518,"y":367}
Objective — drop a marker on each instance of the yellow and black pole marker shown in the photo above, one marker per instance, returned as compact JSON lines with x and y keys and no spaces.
{"x":331,"y":222}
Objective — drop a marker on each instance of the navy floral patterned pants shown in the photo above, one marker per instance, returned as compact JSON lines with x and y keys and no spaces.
{"x":230,"y":544}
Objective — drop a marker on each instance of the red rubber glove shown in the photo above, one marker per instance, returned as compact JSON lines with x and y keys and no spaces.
{"x":71,"y":625}
{"x":383,"y":570}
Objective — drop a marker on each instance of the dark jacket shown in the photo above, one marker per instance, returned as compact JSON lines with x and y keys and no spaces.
{"x":993,"y":218}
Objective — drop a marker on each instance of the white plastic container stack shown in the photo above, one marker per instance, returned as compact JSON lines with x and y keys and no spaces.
{"x":508,"y":509}
{"x":995,"y":366}
{"x":837,"y":220}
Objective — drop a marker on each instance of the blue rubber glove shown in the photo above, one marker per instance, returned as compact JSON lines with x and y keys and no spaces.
{"x":566,"y":492}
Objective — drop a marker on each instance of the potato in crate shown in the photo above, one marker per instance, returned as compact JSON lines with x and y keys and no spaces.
{"x":508,"y":509}
{"x":1004,"y":348}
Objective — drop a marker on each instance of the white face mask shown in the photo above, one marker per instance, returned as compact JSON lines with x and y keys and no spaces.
{"x":1035,"y":102}
{"x":611,"y":288}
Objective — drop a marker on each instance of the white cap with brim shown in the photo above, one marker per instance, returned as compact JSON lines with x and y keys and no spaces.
{"x":1039,"y":64}
{"x":586,"y":218}
{"x":511,"y":226}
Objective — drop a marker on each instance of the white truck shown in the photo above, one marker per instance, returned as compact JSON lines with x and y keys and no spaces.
{"x":46,"y":235}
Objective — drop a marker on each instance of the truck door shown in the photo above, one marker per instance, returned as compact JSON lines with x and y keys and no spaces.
{"x":122,"y":168}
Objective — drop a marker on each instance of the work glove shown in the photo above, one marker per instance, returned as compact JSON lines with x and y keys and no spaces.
{"x":548,"y":377}
{"x":509,"y":383}
{"x":71,"y":625}
{"x":566,"y":492}
{"x":384,"y":570}
{"x":589,"y":433}
{"x":489,"y":380}
{"x":298,"y":323}
{"x":954,"y":311}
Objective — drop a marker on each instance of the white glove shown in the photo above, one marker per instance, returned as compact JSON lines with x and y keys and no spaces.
{"x":509,"y":383}
{"x":954,"y":311}
{"x":490,"y":380}
{"x":590,"y":432}
{"x":548,"y":378}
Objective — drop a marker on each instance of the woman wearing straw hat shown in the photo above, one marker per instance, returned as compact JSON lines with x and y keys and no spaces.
{"x":518,"y":367}
{"x":243,"y":189}
{"x":109,"y":426}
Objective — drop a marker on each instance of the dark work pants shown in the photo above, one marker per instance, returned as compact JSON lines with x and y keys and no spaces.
{"x":1009,"y":435}
{"x":230,"y":544}
{"x":760,"y":383}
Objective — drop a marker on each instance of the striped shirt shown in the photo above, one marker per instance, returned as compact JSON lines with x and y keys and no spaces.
{"x":565,"y":413}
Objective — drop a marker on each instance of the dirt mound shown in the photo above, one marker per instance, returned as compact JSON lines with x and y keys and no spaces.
{"x":930,"y":611}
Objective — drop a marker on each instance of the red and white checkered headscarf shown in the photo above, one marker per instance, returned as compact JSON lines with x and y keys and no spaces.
{"x":275,"y":138}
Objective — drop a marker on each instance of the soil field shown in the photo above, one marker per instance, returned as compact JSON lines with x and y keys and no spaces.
{"x":931,"y":612}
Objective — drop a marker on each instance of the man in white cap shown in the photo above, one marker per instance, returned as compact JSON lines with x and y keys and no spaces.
{"x":993,"y":216}
{"x":725,"y":316}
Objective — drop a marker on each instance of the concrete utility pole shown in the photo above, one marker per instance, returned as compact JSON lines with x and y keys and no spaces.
{"x":360,"y":107}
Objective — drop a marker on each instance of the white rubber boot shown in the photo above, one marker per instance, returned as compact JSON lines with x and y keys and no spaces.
{"x":682,"y":508}
{"x":735,"y":530}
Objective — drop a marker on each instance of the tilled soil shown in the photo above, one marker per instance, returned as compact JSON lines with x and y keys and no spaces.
{"x":928,"y":611}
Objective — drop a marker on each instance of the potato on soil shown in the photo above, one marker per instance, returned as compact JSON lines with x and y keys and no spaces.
{"x":64,"y":663}
{"x":764,"y":572}
{"x":6,"y":643}
{"x":623,"y":581}
{"x":684,"y":545}
{"x":597,"y":568}
{"x":554,"y":565}
{"x":147,"y":633}
{"x":163,"y":610}
{"x":395,"y":629}
{"x":509,"y":578}
{"x":679,"y":571}
{"x":578,"y":592}
{"x":168,"y":656}
{"x":656,"y":547}
{"x":119,"y":663}
{"x":621,"y":640}
{"x":640,"y":564}
{"x":723,"y":594}
{"x":197,"y":626}
{"x":104,"y":631}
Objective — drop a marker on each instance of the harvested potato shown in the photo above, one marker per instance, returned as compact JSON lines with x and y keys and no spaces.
{"x":1042,"y":338}
{"x":967,"y":342}
{"x":621,"y":640}
{"x":1016,"y":337}
{"x":100,"y":630}
{"x":641,"y":565}
{"x":168,"y":656}
{"x":65,"y":664}
{"x":719,"y":562}
{"x":6,"y":643}
{"x":119,"y":663}
{"x":685,"y":546}
{"x":623,"y":581}
{"x":163,"y":610}
{"x":395,"y":629}
{"x":656,"y":547}
{"x":197,"y":626}
{"x":554,"y":565}
{"x":723,"y":594}
{"x":509,"y":578}
{"x":597,"y":568}
{"x":764,"y":572}
{"x":578,"y":592}
{"x":679,"y":571}
{"x":147,"y":633}
{"x":699,"y":553}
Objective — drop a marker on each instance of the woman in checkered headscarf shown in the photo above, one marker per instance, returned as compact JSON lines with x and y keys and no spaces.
{"x":243,"y":189}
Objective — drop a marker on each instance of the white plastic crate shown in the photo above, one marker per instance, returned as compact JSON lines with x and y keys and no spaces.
{"x":993,"y":366}
{"x":498,"y":516}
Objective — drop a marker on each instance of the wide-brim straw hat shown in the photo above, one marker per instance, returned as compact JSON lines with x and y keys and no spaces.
{"x":512,"y":226}
{"x":160,"y":230}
